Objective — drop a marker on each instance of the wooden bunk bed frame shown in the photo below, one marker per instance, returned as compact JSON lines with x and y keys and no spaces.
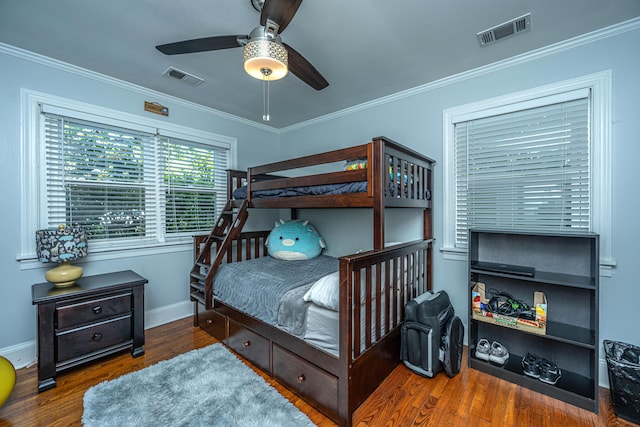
{"x":335,"y":386}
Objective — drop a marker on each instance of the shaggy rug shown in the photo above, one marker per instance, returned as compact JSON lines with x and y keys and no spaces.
{"x":205,"y":387}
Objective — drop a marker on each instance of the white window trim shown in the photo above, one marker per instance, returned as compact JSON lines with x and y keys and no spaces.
{"x":600,"y":85}
{"x":30,"y":187}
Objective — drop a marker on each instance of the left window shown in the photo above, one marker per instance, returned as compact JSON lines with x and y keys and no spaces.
{"x":130,"y":185}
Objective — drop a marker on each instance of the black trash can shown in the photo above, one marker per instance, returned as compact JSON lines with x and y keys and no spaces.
{"x":623,"y":362}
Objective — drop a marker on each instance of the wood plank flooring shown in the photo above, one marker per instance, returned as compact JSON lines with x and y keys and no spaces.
{"x":471,"y":398}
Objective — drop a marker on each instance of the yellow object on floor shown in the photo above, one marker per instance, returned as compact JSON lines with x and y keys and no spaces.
{"x":7,"y":379}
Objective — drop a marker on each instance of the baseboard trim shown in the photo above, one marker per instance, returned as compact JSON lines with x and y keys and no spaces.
{"x":603,"y":373}
{"x":21,"y":355}
{"x":24,"y":354}
{"x":168,"y":313}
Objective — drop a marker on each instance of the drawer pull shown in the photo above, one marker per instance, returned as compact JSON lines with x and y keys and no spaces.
{"x":300,"y":378}
{"x":246,"y":343}
{"x":210,"y":321}
{"x":97,"y":336}
{"x":97,"y":309}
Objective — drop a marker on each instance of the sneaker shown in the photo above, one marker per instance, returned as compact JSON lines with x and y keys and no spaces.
{"x":498,"y":353}
{"x":483,"y":348}
{"x":549,"y":372}
{"x":531,"y":365}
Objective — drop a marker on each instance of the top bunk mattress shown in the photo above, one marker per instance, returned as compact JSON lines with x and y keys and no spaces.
{"x":311,"y":190}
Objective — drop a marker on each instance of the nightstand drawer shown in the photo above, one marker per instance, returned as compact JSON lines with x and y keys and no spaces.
{"x":249,"y":345}
{"x":90,"y":311}
{"x":82,"y":341}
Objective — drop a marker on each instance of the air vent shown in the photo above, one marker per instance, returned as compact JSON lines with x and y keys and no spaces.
{"x":182,"y":76}
{"x":507,"y":29}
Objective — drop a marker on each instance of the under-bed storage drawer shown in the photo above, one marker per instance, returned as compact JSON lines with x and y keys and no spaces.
{"x":307,"y":380}
{"x":251,"y":346}
{"x":214,"y":323}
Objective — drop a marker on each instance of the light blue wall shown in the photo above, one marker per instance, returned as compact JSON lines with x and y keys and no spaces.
{"x":416,"y":121}
{"x":167,"y":273}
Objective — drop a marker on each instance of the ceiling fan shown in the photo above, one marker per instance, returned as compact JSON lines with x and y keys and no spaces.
{"x":266,"y":56}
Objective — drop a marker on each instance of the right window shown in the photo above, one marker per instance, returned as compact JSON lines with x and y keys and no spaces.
{"x":529,"y":161}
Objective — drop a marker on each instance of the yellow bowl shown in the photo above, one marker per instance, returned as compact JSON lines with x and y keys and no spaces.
{"x":7,"y":379}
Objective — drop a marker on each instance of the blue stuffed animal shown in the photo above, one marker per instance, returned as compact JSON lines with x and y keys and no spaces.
{"x":294,"y":240}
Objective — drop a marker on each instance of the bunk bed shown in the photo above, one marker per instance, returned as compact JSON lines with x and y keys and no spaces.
{"x":372,"y":286}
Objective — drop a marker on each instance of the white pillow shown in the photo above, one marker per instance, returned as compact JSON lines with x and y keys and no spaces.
{"x":325,"y":292}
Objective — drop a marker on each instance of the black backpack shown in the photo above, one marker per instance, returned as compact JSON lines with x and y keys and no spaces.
{"x":431,"y":335}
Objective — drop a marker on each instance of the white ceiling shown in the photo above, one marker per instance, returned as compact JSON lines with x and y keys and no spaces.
{"x":366,"y":49}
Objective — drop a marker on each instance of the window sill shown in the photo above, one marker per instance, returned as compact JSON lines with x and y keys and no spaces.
{"x":454,"y":254}
{"x":31,"y":262}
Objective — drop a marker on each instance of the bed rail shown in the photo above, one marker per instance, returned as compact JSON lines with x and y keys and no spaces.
{"x":392,"y":277}
{"x":248,"y":245}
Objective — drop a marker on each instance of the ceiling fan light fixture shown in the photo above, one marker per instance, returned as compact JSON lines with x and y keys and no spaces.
{"x":266,"y":59}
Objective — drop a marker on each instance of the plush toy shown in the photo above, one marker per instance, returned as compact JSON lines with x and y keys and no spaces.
{"x":294,"y":240}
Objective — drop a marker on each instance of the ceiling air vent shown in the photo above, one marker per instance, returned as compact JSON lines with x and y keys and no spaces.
{"x":507,"y":29}
{"x":183,"y":76}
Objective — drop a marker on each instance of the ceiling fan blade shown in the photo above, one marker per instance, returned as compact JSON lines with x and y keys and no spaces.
{"x":279,"y":11}
{"x":202,"y":45}
{"x":303,"y":69}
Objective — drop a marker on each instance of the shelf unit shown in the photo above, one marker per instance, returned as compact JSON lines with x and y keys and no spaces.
{"x":567,"y":271}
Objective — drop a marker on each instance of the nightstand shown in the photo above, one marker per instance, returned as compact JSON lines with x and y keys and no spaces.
{"x":98,"y":316}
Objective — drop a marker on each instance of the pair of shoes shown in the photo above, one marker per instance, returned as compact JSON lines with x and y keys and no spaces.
{"x":496,"y":352}
{"x":542,"y":369}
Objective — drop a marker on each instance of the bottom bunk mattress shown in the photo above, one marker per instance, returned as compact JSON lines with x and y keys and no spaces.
{"x":258,"y":286}
{"x":299,"y":297}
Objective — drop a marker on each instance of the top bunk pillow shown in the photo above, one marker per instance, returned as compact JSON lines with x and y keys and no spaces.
{"x":295,"y":239}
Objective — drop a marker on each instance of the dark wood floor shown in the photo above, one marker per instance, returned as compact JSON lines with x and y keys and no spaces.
{"x":471,"y":398}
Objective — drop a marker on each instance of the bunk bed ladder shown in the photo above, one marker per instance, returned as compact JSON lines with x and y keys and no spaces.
{"x":227,"y":228}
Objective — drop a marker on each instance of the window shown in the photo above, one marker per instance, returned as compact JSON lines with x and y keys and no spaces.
{"x":530,"y":161}
{"x":95,"y":178}
{"x":526,"y":169}
{"x":130,"y":185}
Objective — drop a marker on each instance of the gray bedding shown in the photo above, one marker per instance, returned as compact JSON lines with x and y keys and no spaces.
{"x":257,"y":286}
{"x":312,"y":190}
{"x":292,"y":313}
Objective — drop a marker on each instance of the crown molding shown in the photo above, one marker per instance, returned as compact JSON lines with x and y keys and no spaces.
{"x":611,"y":31}
{"x":102,"y":78}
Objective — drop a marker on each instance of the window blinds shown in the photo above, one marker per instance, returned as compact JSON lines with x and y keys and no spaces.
{"x":194,"y":185}
{"x":122,"y":184}
{"x":526,"y":169}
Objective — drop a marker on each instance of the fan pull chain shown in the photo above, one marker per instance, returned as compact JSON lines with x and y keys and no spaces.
{"x":266,"y":72}
{"x":265,"y":100}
